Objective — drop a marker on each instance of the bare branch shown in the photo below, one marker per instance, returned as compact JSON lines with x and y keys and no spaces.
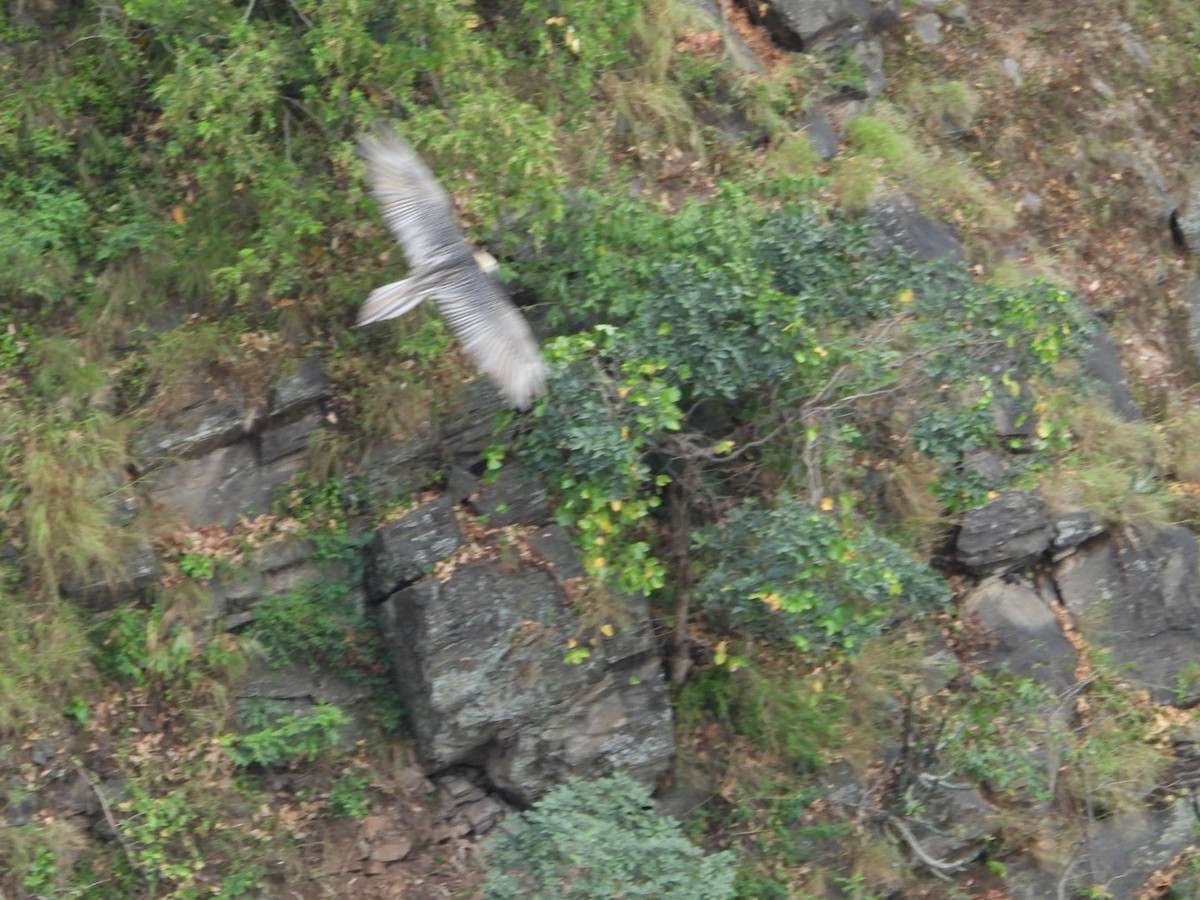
{"x":108,"y":817}
{"x":937,"y":866}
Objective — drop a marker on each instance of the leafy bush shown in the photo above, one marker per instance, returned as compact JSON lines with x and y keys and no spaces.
{"x":348,"y":796}
{"x":152,"y":647}
{"x":601,"y":838}
{"x":166,"y":835}
{"x":1002,"y":730}
{"x":320,"y":623}
{"x":730,"y":325}
{"x":811,"y":576}
{"x":323,"y":624}
{"x":279,"y":740}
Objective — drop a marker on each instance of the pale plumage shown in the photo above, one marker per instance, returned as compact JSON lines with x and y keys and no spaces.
{"x":444,"y":268}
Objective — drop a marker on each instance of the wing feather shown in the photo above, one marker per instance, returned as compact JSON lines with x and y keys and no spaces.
{"x":475,"y":306}
{"x":493,"y":332}
{"x":415,"y":206}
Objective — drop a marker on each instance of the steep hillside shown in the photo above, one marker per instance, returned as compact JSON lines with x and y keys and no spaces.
{"x":856,"y":522}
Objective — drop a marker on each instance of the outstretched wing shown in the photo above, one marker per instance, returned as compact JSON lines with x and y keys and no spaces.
{"x":492,"y":331}
{"x":444,"y":267}
{"x":415,"y":206}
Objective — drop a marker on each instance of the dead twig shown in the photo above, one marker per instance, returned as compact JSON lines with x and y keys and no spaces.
{"x":112,"y":822}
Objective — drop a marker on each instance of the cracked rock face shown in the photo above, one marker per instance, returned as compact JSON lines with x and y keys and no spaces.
{"x":478,"y":648}
{"x":479,"y":658}
{"x":1131,"y":591}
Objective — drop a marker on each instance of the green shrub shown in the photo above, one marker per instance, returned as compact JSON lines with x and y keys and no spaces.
{"x":349,"y":795}
{"x":323,"y":624}
{"x":1002,"y":730}
{"x":320,"y":623}
{"x":999,"y":732}
{"x":279,"y":740}
{"x":154,"y":647}
{"x":601,"y":838}
{"x":729,"y":325}
{"x":810,"y":576}
{"x":166,"y":835}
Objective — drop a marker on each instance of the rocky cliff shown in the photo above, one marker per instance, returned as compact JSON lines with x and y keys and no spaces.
{"x":283,"y":624}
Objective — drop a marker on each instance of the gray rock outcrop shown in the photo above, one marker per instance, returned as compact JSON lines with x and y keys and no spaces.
{"x":222,"y":456}
{"x":1004,"y":534}
{"x":405,"y":550}
{"x":899,"y":226}
{"x":1022,"y":634}
{"x":822,"y":24}
{"x":479,"y":656}
{"x":1102,"y":362}
{"x":1119,"y":852}
{"x":1136,"y":596}
{"x":478,"y":643}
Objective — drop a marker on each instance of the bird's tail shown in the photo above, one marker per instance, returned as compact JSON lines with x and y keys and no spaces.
{"x":391,"y":300}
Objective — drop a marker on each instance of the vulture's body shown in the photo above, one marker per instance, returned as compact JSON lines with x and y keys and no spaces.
{"x":444,"y":268}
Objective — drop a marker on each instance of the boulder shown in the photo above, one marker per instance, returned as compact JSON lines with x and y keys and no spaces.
{"x":1136,"y":596}
{"x":1123,"y":850}
{"x":469,"y":427}
{"x":867,"y":55}
{"x":222,"y":485}
{"x":806,"y":25}
{"x":1075,"y":527}
{"x":1119,"y":852}
{"x":404,"y":550}
{"x":1023,"y":637}
{"x":214,"y":419}
{"x":816,"y":127}
{"x":1004,"y":534}
{"x":392,"y":472}
{"x":928,"y":29}
{"x":1102,"y":363}
{"x":512,"y":496}
{"x":898,"y":226}
{"x":479,"y":658}
{"x":299,"y":389}
{"x":102,"y":591}
{"x":289,"y":439}
{"x":469,"y":807}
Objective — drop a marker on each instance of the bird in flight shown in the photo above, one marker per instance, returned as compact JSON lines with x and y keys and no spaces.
{"x":444,"y":267}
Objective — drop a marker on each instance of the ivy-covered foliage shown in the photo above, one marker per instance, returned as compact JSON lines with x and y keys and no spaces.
{"x":602,"y":838}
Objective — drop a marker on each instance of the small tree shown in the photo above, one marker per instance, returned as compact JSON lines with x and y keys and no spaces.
{"x":737,"y":349}
{"x":602,"y":838}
